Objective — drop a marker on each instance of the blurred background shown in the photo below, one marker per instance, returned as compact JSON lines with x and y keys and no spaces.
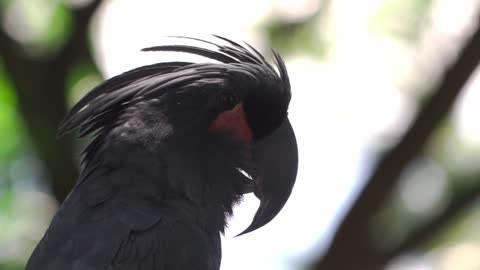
{"x":389,"y":174}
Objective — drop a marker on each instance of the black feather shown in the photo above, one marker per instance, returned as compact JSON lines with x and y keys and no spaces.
{"x":99,"y":109}
{"x":158,"y":187}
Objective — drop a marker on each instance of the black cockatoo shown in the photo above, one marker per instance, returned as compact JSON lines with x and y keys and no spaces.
{"x":175,"y":146}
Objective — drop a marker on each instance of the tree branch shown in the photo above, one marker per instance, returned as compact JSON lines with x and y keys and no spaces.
{"x":40,"y":88}
{"x":352,"y":235}
{"x":459,"y":204}
{"x":6,"y":44}
{"x":77,"y":46}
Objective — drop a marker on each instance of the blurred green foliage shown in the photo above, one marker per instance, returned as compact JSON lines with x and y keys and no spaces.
{"x":10,"y":130}
{"x":12,"y":146}
{"x":43,"y":26}
{"x":402,"y":18}
{"x":82,"y":78}
{"x":294,"y":37}
{"x":11,"y":266}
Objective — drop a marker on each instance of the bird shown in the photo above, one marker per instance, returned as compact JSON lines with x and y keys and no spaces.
{"x":174,"y":146}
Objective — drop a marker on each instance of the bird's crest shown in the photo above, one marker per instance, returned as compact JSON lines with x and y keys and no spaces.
{"x":100,"y":107}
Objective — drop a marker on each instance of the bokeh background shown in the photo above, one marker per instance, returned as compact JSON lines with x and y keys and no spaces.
{"x":389,"y":174}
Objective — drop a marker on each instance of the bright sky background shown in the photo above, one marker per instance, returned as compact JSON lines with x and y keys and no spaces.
{"x":339,"y":106}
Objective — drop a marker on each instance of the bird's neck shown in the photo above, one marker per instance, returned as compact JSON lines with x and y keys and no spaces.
{"x":205,"y":172}
{"x":196,"y":175}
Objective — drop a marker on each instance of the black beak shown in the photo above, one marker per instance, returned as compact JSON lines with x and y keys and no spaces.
{"x":277,"y":161}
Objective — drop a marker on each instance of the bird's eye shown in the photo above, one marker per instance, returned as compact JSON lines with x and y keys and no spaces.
{"x":229,"y":100}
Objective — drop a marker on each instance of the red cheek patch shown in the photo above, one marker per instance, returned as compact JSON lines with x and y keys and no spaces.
{"x":234,"y":120}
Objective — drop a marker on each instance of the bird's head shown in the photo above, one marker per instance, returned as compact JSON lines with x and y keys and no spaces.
{"x":241,"y":96}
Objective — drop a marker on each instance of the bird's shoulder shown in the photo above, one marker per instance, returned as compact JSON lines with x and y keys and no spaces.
{"x":103,"y":223}
{"x":170,"y":244}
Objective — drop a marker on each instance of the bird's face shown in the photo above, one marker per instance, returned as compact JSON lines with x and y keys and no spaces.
{"x":209,"y":106}
{"x":254,"y":114}
{"x":242,"y":98}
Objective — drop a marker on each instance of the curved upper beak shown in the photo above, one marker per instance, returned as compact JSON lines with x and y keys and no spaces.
{"x":277,"y":161}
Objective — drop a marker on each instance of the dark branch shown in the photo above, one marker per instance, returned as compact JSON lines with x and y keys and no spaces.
{"x":6,"y":44}
{"x":10,"y":52}
{"x":352,"y":234}
{"x":77,"y":46}
{"x":459,"y":204}
{"x":40,"y":88}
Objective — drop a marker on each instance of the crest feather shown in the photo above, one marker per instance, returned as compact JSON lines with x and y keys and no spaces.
{"x":97,"y":112}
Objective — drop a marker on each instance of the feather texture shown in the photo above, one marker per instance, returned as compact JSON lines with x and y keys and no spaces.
{"x":98,"y":111}
{"x":157,"y":187}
